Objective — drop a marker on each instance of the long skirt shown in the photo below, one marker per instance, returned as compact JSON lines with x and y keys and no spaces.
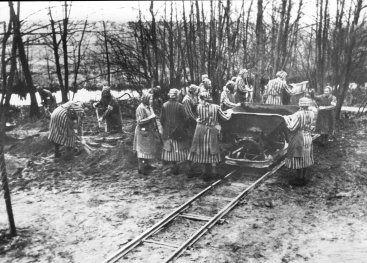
{"x":114,"y":121}
{"x":325,"y":123}
{"x":174,"y":152}
{"x":202,"y":153}
{"x":296,"y":160}
{"x":146,"y":143}
{"x":61,"y":128}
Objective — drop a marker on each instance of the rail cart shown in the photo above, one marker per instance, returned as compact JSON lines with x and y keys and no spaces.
{"x":256,"y":135}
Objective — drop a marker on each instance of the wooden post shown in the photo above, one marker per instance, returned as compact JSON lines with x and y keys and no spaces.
{"x":4,"y":176}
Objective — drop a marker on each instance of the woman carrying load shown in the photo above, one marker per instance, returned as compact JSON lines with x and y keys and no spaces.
{"x":205,"y":144}
{"x":275,"y":88}
{"x":300,"y":150}
{"x":175,"y":144}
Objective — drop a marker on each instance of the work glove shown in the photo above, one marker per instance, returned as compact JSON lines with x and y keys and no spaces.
{"x":109,"y":108}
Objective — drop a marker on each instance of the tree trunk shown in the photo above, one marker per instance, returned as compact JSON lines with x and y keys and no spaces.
{"x":55,"y":48}
{"x":107,"y":54}
{"x":76,"y":69}
{"x":64,"y":40}
{"x":34,"y":111}
{"x":4,"y":176}
{"x":260,"y":50}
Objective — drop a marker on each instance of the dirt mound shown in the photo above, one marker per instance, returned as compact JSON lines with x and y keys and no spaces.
{"x":35,"y":145}
{"x":108,"y":160}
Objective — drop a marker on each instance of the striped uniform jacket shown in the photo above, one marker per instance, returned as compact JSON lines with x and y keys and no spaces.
{"x":190,"y":105}
{"x":242,"y":89}
{"x":205,"y":144}
{"x":173,"y":122}
{"x":274,"y":91}
{"x":227,"y":99}
{"x":300,"y":150}
{"x":61,"y":124}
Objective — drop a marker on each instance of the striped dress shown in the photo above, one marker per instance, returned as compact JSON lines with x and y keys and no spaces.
{"x":61,"y":124}
{"x":190,"y":105}
{"x":242,"y":90}
{"x":172,"y":119}
{"x":274,"y":91}
{"x":145,"y":139}
{"x":300,"y":150}
{"x":205,"y":144}
{"x":227,"y":99}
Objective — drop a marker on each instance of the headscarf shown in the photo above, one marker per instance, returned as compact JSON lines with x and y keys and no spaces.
{"x":304,"y":102}
{"x":173,"y":93}
{"x":106,"y":91}
{"x":207,"y":82}
{"x":145,"y":98}
{"x":281,"y":74}
{"x":328,"y":87}
{"x":243,"y":71}
{"x":230,"y":85}
{"x":204,"y":95}
{"x":74,"y":109}
{"x":193,"y":88}
{"x":203,"y":77}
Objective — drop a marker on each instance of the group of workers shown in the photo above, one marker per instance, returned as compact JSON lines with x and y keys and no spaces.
{"x":188,"y":130}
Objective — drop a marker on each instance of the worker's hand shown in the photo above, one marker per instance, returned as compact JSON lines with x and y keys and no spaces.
{"x":153,"y":116}
{"x":95,"y":105}
{"x":238,"y":104}
{"x":229,"y":112}
{"x":312,"y":93}
{"x":109,"y":108}
{"x":100,"y":119}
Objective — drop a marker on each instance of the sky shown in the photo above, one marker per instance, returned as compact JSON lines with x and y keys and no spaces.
{"x":119,"y":11}
{"x":93,"y":10}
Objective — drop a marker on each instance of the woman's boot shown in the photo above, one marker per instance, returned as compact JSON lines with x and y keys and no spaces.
{"x":68,"y":154}
{"x":141,"y":167}
{"x":190,"y":170}
{"x":304,"y":175}
{"x":174,"y":168}
{"x":206,"y":175}
{"x":57,"y":151}
{"x":214,"y":171}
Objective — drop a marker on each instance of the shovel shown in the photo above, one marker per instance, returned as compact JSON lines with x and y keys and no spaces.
{"x":99,"y":122}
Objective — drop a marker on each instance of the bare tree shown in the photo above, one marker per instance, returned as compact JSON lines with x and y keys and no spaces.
{"x":3,"y":117}
{"x":34,"y":111}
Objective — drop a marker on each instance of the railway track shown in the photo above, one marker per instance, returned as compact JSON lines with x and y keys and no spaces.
{"x":201,"y":222}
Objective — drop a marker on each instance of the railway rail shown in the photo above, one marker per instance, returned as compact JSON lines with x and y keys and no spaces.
{"x":146,"y":238}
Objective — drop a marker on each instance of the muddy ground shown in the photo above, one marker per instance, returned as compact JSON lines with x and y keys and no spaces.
{"x":86,"y":209}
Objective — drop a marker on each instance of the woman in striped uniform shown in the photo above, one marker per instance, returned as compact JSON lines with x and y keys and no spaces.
{"x":190,"y":103}
{"x":146,"y":134}
{"x":227,"y":98}
{"x":300,"y":150}
{"x":175,"y":146}
{"x":62,"y":126}
{"x":205,"y":144}
{"x":243,"y":90}
{"x":275,"y":88}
